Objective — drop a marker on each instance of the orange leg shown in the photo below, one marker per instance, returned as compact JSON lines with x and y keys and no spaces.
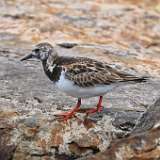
{"x":71,"y":113}
{"x":98,"y":108}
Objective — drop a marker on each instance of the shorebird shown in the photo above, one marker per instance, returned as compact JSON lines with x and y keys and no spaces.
{"x":80,"y":77}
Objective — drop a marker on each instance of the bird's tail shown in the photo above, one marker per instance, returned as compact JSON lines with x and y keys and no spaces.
{"x":137,"y":79}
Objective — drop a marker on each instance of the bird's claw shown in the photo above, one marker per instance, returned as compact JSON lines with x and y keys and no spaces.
{"x":94,"y":110}
{"x":65,"y":116}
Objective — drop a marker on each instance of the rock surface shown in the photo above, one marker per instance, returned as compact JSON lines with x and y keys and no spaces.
{"x":124,"y":34}
{"x":29,"y":102}
{"x":143,"y":142}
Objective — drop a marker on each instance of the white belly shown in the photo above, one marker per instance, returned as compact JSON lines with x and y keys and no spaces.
{"x":73,"y":90}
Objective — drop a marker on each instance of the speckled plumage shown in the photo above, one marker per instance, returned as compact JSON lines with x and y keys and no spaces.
{"x":79,"y":76}
{"x":86,"y":72}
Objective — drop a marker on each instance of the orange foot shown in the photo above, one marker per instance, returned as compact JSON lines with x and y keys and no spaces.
{"x":67,"y":115}
{"x":99,"y":107}
{"x":71,"y":113}
{"x":94,"y":110}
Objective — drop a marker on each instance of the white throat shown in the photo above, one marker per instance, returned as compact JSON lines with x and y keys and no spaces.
{"x":51,"y":67}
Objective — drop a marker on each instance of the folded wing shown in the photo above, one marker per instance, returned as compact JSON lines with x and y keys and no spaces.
{"x":92,"y":72}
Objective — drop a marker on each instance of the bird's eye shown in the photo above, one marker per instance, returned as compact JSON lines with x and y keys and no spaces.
{"x":36,"y":50}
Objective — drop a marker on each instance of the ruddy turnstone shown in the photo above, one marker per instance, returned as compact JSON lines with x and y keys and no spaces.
{"x":79,"y":77}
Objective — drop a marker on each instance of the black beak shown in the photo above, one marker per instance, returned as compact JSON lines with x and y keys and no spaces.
{"x":27,"y":57}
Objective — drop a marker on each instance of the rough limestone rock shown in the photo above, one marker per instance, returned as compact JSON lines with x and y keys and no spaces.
{"x":29,"y":103}
{"x":125,"y":34}
{"x":142,"y":142}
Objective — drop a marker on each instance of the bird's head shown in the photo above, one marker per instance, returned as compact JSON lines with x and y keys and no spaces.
{"x":41,"y":51}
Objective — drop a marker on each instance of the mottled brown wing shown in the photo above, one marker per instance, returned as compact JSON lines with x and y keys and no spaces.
{"x":91,"y":73}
